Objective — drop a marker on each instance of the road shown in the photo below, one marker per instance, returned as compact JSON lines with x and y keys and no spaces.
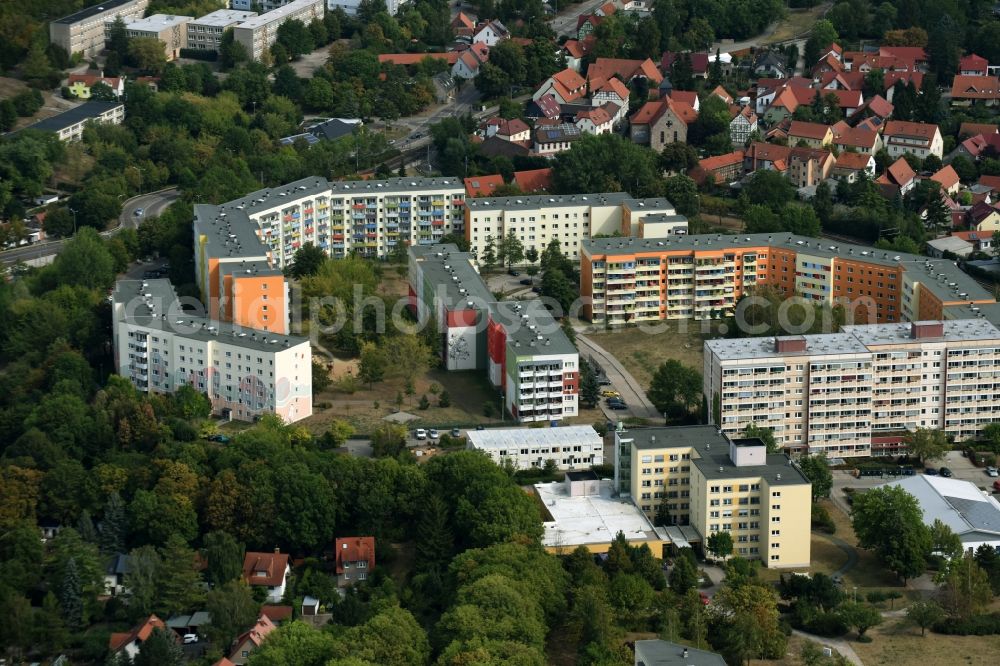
{"x":153,"y":204}
{"x":621,"y":380}
{"x":564,"y":21}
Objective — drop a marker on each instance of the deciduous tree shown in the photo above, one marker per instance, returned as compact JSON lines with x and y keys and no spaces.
{"x":888,"y":520}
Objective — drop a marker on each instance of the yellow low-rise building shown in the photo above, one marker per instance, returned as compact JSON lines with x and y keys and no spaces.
{"x":712,"y":483}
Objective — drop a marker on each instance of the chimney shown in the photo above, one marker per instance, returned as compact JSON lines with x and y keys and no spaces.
{"x":277,"y":550}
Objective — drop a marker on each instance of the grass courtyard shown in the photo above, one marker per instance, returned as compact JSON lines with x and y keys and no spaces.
{"x":642,"y":351}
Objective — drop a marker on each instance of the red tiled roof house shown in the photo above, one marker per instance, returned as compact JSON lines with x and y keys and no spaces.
{"x":355,"y":558}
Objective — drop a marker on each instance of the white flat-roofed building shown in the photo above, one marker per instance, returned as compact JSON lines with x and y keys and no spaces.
{"x":585,"y":512}
{"x":83,"y":32}
{"x":571,"y":447}
{"x":857,"y":392}
{"x":169,"y":29}
{"x":260,"y":32}
{"x":205,"y":33}
{"x":244,"y":372}
{"x":973,"y":515}
{"x":69,"y":125}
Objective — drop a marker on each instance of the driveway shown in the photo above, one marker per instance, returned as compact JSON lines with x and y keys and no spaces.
{"x":621,"y":380}
{"x":840,"y":645}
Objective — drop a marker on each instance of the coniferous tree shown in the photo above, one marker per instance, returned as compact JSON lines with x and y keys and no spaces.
{"x":435,"y":542}
{"x":70,"y":595}
{"x":113,"y":527}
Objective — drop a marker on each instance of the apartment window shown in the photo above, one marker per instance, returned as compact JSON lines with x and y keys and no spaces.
{"x":713,"y":489}
{"x":776,"y":493}
{"x":727,"y":489}
{"x":775,"y":544}
{"x":775,"y":532}
{"x":775,"y":507}
{"x":774,"y":558}
{"x":775,"y":519}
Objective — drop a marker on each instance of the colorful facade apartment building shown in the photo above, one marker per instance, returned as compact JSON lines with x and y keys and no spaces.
{"x":571,"y":219}
{"x":518,"y":344}
{"x":713,"y":483}
{"x":857,"y":392}
{"x":626,"y":280}
{"x":245,"y":372}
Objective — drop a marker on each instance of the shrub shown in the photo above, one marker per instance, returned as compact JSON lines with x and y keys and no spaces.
{"x":200,"y":54}
{"x":444,"y":400}
{"x":821,"y":519}
{"x":977,"y":625}
{"x":424,"y":402}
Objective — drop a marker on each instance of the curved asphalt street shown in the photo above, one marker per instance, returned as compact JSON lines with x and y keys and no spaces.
{"x":153,"y":204}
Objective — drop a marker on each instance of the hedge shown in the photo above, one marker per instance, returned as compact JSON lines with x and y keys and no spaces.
{"x":977,"y":625}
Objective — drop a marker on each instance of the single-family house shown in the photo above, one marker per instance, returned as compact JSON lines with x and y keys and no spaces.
{"x":445,"y":87}
{"x":766,"y":90}
{"x":743,"y":124}
{"x":766,"y":156}
{"x":470,"y":61}
{"x":462,"y":25}
{"x":575,"y":50}
{"x":972,"y":129}
{"x":858,"y":139}
{"x":688,"y":97}
{"x":586,"y":24}
{"x":482,"y":186}
{"x":974,"y":146}
{"x":613,"y":91}
{"x":552,"y":139}
{"x":814,"y":135}
{"x":699,"y":62}
{"x":270,"y":570}
{"x":970,"y":90}
{"x":513,"y":129}
{"x":984,"y":218}
{"x":603,"y":69}
{"x":720,"y":169}
{"x":877,"y":108}
{"x":722,"y":94}
{"x":992,"y":182}
{"x":841,"y":80}
{"x":890,"y":79}
{"x":129,"y":642}
{"x":899,"y":178}
{"x":223,"y":661}
{"x":851,"y":167}
{"x":826,"y":65}
{"x":980,"y":242}
{"x":565,"y":86}
{"x":250,"y":640}
{"x":973,"y":65}
{"x":534,"y":180}
{"x":948,"y":179}
{"x":786,"y":101}
{"x":596,"y":120}
{"x":920,"y":139}
{"x":80,"y":85}
{"x":355,"y":559}
{"x":114,"y":574}
{"x":808,"y":167}
{"x":770,"y":64}
{"x":490,"y":33}
{"x":546,"y":106}
{"x":833,"y":49}
{"x":276,"y":614}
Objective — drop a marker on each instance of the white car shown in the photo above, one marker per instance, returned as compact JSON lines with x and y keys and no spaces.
{"x":421,"y":434}
{"x":190,"y":638}
{"x":992,"y":471}
{"x":433,"y":434}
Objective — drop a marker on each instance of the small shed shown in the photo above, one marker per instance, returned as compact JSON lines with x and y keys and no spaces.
{"x":310,"y":606}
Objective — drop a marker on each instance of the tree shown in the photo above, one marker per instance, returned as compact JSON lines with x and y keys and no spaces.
{"x":720,"y":544}
{"x":112,"y":530}
{"x":927,"y":443}
{"x":989,"y":559}
{"x":682,"y":192}
{"x":160,"y":649}
{"x":889,"y":521}
{"x":489,"y":258}
{"x":753,"y":628}
{"x":822,"y":35}
{"x":944,"y":541}
{"x":674,"y":388}
{"x":388,"y":440}
{"x":372,"y":363}
{"x":295,"y":37}
{"x":71,"y":595}
{"x":306,"y":261}
{"x":966,"y":589}
{"x":492,"y":82}
{"x":679,"y":157}
{"x":817,"y":470}
{"x":860,"y":616}
{"x":50,"y":629}
{"x":141,"y":580}
{"x":510,"y":250}
{"x":435,"y":541}
{"x":232,"y":608}
{"x":924,"y":614}
{"x":224,"y":556}
{"x":147,"y":54}
{"x":683,"y":576}
{"x":178,"y":581}
{"x":766,"y":435}
{"x":769,"y":188}
{"x":85,"y":261}
{"x":589,"y":388}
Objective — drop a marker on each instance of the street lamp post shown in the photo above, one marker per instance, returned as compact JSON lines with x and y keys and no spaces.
{"x":74,"y":220}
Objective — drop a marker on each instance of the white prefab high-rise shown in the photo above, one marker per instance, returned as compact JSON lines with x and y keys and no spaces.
{"x":244,"y":372}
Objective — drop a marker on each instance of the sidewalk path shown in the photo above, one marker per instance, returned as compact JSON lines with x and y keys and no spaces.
{"x":632,"y":392}
{"x":840,"y":645}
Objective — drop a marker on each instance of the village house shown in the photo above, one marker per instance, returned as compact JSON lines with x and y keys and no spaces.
{"x":565,"y":87}
{"x":80,"y":85}
{"x":490,"y":33}
{"x":129,"y":642}
{"x":250,"y":640}
{"x":766,"y":156}
{"x":508,"y":130}
{"x":975,"y":90}
{"x":973,"y":65}
{"x":948,"y":179}
{"x":355,"y":559}
{"x":898,"y":179}
{"x":919,"y":139}
{"x":268,"y":570}
{"x":808,"y":167}
{"x":813,"y":135}
{"x":857,"y":139}
{"x":603,"y":69}
{"x":470,"y":61}
{"x":743,"y":124}
{"x":851,"y":167}
{"x":720,"y":169}
{"x":984,"y":218}
{"x":597,"y":120}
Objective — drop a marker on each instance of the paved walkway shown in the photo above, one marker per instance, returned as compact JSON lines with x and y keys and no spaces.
{"x":838,"y":644}
{"x":632,"y":392}
{"x":848,"y":549}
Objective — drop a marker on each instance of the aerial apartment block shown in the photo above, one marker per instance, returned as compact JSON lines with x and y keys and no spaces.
{"x":366,"y":217}
{"x":630,"y":280}
{"x":520,"y":346}
{"x":571,"y":218}
{"x":205,"y":33}
{"x":170,"y":30}
{"x":569,"y":447}
{"x":83,"y":31}
{"x":257,"y":34}
{"x":857,"y":392}
{"x":245,"y":372}
{"x":69,"y":125}
{"x":712,"y":483}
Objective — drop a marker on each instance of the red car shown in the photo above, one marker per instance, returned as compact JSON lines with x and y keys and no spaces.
{"x":996,"y":486}
{"x":704,"y":598}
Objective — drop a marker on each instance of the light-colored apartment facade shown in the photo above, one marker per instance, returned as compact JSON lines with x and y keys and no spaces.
{"x":631,"y":280}
{"x":857,"y":392}
{"x":570,"y":447}
{"x":259,"y":33}
{"x":83,"y":32}
{"x":536,"y":220}
{"x":205,"y":33}
{"x":519,"y":345}
{"x":69,"y":125}
{"x":170,"y":30}
{"x":244,"y":372}
{"x":366,"y":217}
{"x":714,"y":483}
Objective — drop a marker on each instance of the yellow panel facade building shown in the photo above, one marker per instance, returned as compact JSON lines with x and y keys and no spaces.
{"x":712,"y":483}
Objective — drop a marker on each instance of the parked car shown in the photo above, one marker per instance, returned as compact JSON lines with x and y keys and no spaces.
{"x":527,"y":282}
{"x":455,"y":432}
{"x":603,"y":381}
{"x":190,"y":638}
{"x":433,"y":434}
{"x":930,"y":471}
{"x":420,"y":434}
{"x":221,"y":439}
{"x":945,"y":472}
{"x":480,"y":427}
{"x":536,"y":290}
{"x":617,"y":406}
{"x":704,"y":598}
{"x":610,"y":393}
{"x":992,"y":471}
{"x":996,"y":486}
{"x":513,"y":272}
